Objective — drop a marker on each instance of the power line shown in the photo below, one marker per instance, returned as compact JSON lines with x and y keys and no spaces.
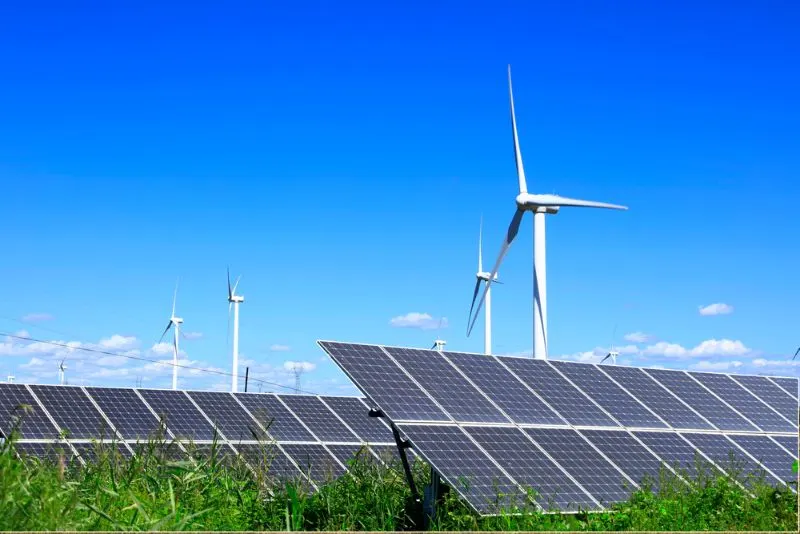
{"x":140,"y":358}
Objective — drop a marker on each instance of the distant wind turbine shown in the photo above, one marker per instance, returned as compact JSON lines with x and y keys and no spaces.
{"x":174,"y":323}
{"x":540,"y":205}
{"x":439,"y":343}
{"x":62,"y":373}
{"x":483,"y":277}
{"x":612,"y":353}
{"x":234,"y":300}
{"x":796,"y":353}
{"x":10,"y":379}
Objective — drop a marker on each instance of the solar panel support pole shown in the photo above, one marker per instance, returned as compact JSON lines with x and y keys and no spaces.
{"x":246,"y":376}
{"x":402,"y":445}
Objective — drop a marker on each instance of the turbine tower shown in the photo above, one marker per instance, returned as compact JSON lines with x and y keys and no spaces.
{"x":174,"y":323}
{"x":439,"y":343}
{"x":62,"y":373}
{"x":539,"y":205}
{"x":233,"y":301}
{"x":612,"y":353}
{"x":10,"y":379}
{"x":483,"y":277}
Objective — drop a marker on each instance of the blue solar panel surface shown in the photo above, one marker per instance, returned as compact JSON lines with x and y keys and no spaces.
{"x":676,"y":453}
{"x":770,"y":393}
{"x":319,"y":419}
{"x":790,"y":385}
{"x":18,"y":409}
{"x":769,"y":454}
{"x":314,"y":461}
{"x":628,"y":454}
{"x":126,"y":411}
{"x":232,"y":420}
{"x":275,"y":417}
{"x":728,"y":456}
{"x":183,"y":419}
{"x":73,"y":411}
{"x":356,"y":414}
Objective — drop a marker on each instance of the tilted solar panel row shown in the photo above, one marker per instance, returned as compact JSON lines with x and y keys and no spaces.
{"x":581,"y":435}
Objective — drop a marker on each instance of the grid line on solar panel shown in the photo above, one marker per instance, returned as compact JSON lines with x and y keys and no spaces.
{"x":127,"y":412}
{"x":73,"y":411}
{"x":558,"y":392}
{"x":624,"y":407}
{"x":19,"y":409}
{"x":521,"y":404}
{"x":660,"y":400}
{"x":371,"y":369}
{"x":269,"y":458}
{"x":727,"y":456}
{"x":789,"y":385}
{"x":700,"y":400}
{"x":770,"y":393}
{"x":464,"y":466}
{"x":50,"y":450}
{"x":356,"y":415}
{"x":447,"y":385}
{"x":743,"y":401}
{"x":596,"y":474}
{"x":232,"y":420}
{"x":279,"y":422}
{"x":769,"y":454}
{"x":532,"y":468}
{"x":315,"y":461}
{"x":676,"y":452}
{"x":322,"y":422}
{"x":182,"y":417}
{"x":789,"y":443}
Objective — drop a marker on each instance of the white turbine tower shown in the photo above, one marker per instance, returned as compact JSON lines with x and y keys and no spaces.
{"x":439,"y":343}
{"x":62,"y":373}
{"x":233,"y":301}
{"x":10,"y":379}
{"x":484,"y":277}
{"x":174,"y":321}
{"x":612,"y":353}
{"x":540,"y":205}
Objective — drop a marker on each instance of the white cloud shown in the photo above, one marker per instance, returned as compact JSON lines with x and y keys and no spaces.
{"x":303,"y":366}
{"x":716,"y":309}
{"x":162,"y":348}
{"x":277,"y":347}
{"x":118,"y":342}
{"x":193,"y":335}
{"x":762,"y":362}
{"x":112,"y":361}
{"x":637,"y":337}
{"x":37,"y":317}
{"x":716,"y":366}
{"x":422,"y":321}
{"x":709,"y":347}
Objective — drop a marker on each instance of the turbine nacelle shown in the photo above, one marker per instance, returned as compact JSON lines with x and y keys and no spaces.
{"x":175,"y":320}
{"x":235,"y":298}
{"x":486,"y":276}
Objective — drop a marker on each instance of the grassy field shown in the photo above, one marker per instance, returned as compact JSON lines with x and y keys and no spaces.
{"x":152,"y":492}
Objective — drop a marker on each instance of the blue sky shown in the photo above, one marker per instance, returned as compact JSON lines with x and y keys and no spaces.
{"x":339,"y":158}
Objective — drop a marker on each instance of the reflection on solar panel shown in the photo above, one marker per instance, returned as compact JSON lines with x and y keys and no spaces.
{"x":316,"y":415}
{"x":126,"y":411}
{"x":314,"y":461}
{"x":769,"y":454}
{"x":228,"y":415}
{"x":497,"y":382}
{"x":82,"y":420}
{"x":273,"y":415}
{"x":18,"y":409}
{"x":621,"y":405}
{"x":766,"y":390}
{"x":183,"y":419}
{"x":356,"y":415}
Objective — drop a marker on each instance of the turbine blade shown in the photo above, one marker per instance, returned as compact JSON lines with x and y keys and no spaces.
{"x":559,"y":201}
{"x":523,"y":187}
{"x":169,"y":324}
{"x":607,"y":357}
{"x":228,"y":332}
{"x":796,"y":353}
{"x":236,"y":284}
{"x":230,"y":292}
{"x":175,"y":298}
{"x":433,"y":346}
{"x":474,"y":295}
{"x":480,"y":247}
{"x":513,"y":229}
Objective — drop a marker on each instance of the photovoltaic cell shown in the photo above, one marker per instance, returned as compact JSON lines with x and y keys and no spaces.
{"x":557,"y":392}
{"x":270,"y":459}
{"x":764,"y":389}
{"x":629,"y":455}
{"x":19,"y":409}
{"x":388,"y":454}
{"x":348,"y":453}
{"x":73,"y":411}
{"x":531,"y":468}
{"x":356,"y":414}
{"x":314,"y":461}
{"x":787,"y":442}
{"x":450,"y":389}
{"x":46,"y":451}
{"x":788,"y":384}
{"x":88,"y":451}
{"x":742,"y":400}
{"x":372,"y":370}
{"x":126,"y":411}
{"x":273,"y":415}
{"x":769,"y":454}
{"x":655,"y":397}
{"x":318,"y":418}
{"x":228,"y":416}
{"x":676,"y":452}
{"x":622,"y":406}
{"x":586,"y":465}
{"x":696,"y":396}
{"x":183,"y":419}
{"x":504,"y":389}
{"x":727,"y":455}
{"x":464,"y":467}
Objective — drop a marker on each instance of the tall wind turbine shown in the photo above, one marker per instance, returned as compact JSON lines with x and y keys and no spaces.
{"x":62,"y":373}
{"x":174,"y":323}
{"x":483,"y":277}
{"x":612,"y":353}
{"x":234,"y":300}
{"x":539,"y":205}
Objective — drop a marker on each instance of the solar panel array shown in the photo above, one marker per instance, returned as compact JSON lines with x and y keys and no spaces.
{"x":582,"y":436}
{"x":306,"y":437}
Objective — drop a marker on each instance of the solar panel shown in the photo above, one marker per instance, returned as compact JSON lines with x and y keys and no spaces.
{"x":372,"y":370}
{"x":73,"y":411}
{"x":268,"y":458}
{"x":790,"y":385}
{"x":348,"y":453}
{"x":203,"y":451}
{"x":769,"y":454}
{"x":318,"y":418}
{"x":621,"y":405}
{"x":667,"y":406}
{"x":558,"y":393}
{"x":126,"y":411}
{"x":314,"y":461}
{"x":787,"y":442}
{"x":532,"y":469}
{"x":273,"y":415}
{"x":727,"y":455}
{"x":676,"y":452}
{"x":183,"y":419}
{"x":747,"y":404}
{"x":497,"y":382}
{"x":604,"y":481}
{"x":450,"y":389}
{"x":465,"y":467}
{"x":696,"y":396}
{"x":628,"y":454}
{"x":47,"y":451}
{"x":233,"y":421}
{"x":770,"y":393}
{"x":356,"y":414}
{"x":19,"y":409}
{"x":89,"y":451}
{"x":388,"y":454}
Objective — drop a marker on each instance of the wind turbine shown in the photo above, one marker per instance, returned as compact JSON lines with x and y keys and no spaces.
{"x":10,"y":379}
{"x":234,"y":300}
{"x":796,"y":353}
{"x":174,"y":321}
{"x":439,"y":343}
{"x":540,"y":205}
{"x":612,"y":353}
{"x":62,"y":372}
{"x":484,"y":277}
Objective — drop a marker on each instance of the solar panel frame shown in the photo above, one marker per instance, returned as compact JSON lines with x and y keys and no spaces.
{"x":772,"y":394}
{"x":83,"y":420}
{"x":319,"y":419}
{"x":790,"y":444}
{"x":34,"y":425}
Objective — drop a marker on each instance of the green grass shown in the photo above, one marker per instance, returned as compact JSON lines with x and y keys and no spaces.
{"x":152,"y":492}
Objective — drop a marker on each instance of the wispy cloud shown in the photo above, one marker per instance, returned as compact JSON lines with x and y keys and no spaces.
{"x":638,"y":337}
{"x":423,"y":321}
{"x":709,"y":347}
{"x":301,"y":366}
{"x":118,"y":342}
{"x":37,"y":317}
{"x":717,"y":308}
{"x":277,"y":347}
{"x":192,"y":335}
